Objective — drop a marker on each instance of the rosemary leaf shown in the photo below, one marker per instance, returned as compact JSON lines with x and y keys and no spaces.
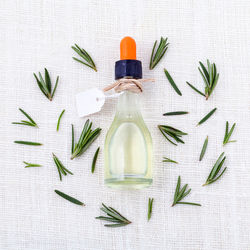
{"x":116,"y":219}
{"x":165,"y":159}
{"x":206,"y":116}
{"x":88,"y":61}
{"x":228,"y":134}
{"x":31,"y":122}
{"x":29,"y":165}
{"x":60,"y":167}
{"x":94,"y":160}
{"x":180,"y":194}
{"x":188,"y":203}
{"x":59,"y":119}
{"x":210,"y":78}
{"x":87,"y":137}
{"x":47,"y":80}
{"x":175,"y":113}
{"x":171,"y":81}
{"x":150,"y":207}
{"x":29,"y":143}
{"x":69,"y":198}
{"x":73,"y":139}
{"x":45,"y":84}
{"x":53,"y":93}
{"x":173,"y":133}
{"x":195,"y":89}
{"x":204,"y":148}
{"x":160,"y":51}
{"x":214,"y":173}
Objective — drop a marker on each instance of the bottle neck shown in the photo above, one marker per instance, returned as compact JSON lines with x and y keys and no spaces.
{"x":128,"y":104}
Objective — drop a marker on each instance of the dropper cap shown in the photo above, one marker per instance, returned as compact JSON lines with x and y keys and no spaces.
{"x":128,"y":66}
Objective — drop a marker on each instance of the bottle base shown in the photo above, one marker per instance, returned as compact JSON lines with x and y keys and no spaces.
{"x":128,"y":183}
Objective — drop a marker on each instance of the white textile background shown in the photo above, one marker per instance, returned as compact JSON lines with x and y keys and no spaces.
{"x":38,"y":34}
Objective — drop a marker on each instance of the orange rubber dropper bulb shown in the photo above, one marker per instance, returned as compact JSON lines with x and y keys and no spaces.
{"x":128,"y":48}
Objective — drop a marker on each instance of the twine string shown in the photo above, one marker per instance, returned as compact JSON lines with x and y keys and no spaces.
{"x":133,"y":85}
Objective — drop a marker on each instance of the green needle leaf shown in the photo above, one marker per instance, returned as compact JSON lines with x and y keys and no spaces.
{"x":158,"y":54}
{"x":214,"y":173}
{"x":228,"y":134}
{"x":173,"y":133}
{"x":47,"y":80}
{"x":195,"y":89}
{"x":116,"y":219}
{"x":180,"y":193}
{"x":88,"y":61}
{"x":59,"y":119}
{"x":69,"y":198}
{"x":150,"y":207}
{"x":210,"y":78}
{"x":60,"y":167}
{"x":24,"y":123}
{"x":87,"y":137}
{"x":175,"y":113}
{"x":29,"y":143}
{"x":73,"y":139}
{"x":29,"y":165}
{"x":45,"y":85}
{"x":204,"y":148}
{"x":31,"y":122}
{"x":53,"y":93}
{"x":171,"y":81}
{"x":188,"y":203}
{"x":165,"y":159}
{"x":94,"y":160}
{"x":207,"y":116}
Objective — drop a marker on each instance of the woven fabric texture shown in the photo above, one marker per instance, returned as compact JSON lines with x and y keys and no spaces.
{"x":38,"y":34}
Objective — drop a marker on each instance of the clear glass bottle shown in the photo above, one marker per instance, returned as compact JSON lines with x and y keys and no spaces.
{"x":128,"y":146}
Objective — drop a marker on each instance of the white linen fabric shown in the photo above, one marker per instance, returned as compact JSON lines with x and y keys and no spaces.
{"x":38,"y":34}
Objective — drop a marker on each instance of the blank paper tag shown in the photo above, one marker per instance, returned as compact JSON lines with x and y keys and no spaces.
{"x":89,"y":102}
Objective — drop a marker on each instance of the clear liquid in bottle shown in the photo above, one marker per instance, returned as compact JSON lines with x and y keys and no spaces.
{"x":128,"y":147}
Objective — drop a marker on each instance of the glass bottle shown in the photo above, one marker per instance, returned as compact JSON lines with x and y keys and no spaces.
{"x":128,"y":144}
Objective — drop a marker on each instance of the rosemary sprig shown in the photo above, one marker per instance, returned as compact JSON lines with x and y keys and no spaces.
{"x":86,"y":139}
{"x":204,"y":148}
{"x":31,"y":122}
{"x":45,"y":85}
{"x":59,"y":119}
{"x":165,"y":159}
{"x":116,"y":219}
{"x":69,"y":198}
{"x":210,"y":78}
{"x":181,"y":193}
{"x":175,"y":113}
{"x":29,"y":165}
{"x":206,"y":116}
{"x":85,"y":56}
{"x":150,"y":207}
{"x":174,"y":133}
{"x":214,"y":174}
{"x":173,"y":84}
{"x":228,"y":134}
{"x":94,"y":160}
{"x":60,"y":168}
{"x":161,"y":50}
{"x":29,"y":143}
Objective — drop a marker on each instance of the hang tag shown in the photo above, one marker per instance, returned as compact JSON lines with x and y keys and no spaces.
{"x":89,"y":101}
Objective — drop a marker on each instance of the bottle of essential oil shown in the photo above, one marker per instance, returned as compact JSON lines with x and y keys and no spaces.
{"x":128,"y":144}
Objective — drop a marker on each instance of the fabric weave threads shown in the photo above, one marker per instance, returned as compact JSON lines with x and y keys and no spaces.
{"x":38,"y":34}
